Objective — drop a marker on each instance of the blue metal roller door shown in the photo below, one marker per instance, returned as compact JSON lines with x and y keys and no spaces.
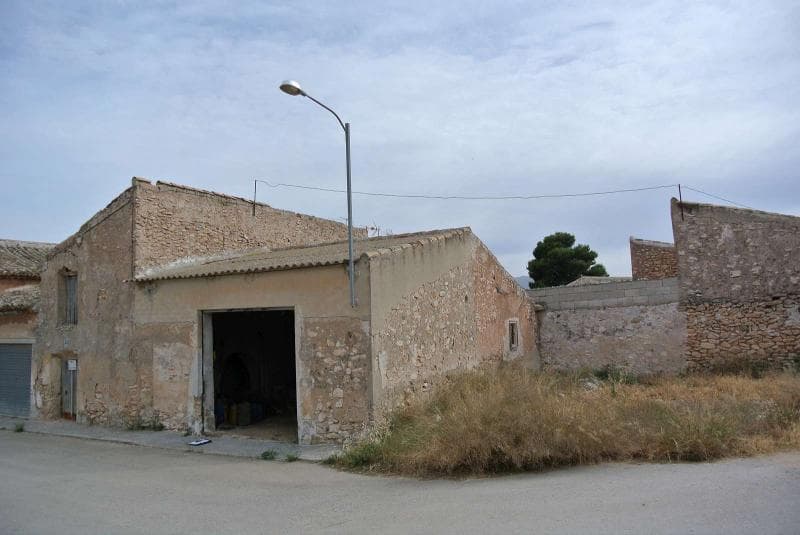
{"x":15,"y":379}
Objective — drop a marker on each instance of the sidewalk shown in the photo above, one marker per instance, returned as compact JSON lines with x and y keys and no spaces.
{"x":237,"y":446}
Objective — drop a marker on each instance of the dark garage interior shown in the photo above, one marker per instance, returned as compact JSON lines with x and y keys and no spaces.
{"x":254,"y":373}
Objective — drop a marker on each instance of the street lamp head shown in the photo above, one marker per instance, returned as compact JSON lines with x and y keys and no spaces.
{"x":290,"y":87}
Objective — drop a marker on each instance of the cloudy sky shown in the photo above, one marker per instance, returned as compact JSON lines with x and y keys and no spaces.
{"x":445,"y":98}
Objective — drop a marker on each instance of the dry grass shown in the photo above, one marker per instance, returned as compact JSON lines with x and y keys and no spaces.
{"x":512,"y":420}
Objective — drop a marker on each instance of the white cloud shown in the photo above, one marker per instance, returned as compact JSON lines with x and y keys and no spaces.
{"x":521,"y":98}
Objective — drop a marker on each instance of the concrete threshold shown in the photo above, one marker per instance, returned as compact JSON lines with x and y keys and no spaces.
{"x":235,"y":446}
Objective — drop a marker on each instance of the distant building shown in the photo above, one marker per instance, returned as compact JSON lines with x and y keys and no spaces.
{"x":20,"y":266}
{"x":653,"y":260}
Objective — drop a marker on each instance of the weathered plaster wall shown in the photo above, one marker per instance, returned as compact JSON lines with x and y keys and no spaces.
{"x":17,"y":326}
{"x":332,"y":341}
{"x":438,"y":306}
{"x":639,"y":339}
{"x":423,"y":316}
{"x":498,"y":299}
{"x":739,"y":283}
{"x":15,"y":282}
{"x":114,"y":383}
{"x":173,"y":222}
{"x":116,"y":359}
{"x":635,"y":326}
{"x":652,"y":260}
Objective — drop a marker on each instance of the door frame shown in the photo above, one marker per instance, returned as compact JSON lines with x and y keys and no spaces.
{"x":207,"y":418}
{"x":32,"y":382}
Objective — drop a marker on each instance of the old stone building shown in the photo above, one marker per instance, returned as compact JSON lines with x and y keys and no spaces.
{"x":88,"y":296}
{"x":198,"y":311}
{"x":428,"y":303}
{"x":20,"y":266}
{"x":201,"y":311}
{"x":739,"y":284}
{"x":728,"y":290}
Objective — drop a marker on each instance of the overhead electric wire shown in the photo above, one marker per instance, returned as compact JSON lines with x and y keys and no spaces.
{"x":498,"y":197}
{"x":717,"y":197}
{"x":467,"y":197}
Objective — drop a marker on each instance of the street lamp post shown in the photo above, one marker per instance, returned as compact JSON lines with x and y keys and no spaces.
{"x":290,"y":87}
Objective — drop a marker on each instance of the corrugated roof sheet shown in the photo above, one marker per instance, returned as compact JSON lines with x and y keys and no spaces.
{"x":20,"y":299}
{"x":262,"y":259}
{"x":22,"y":258}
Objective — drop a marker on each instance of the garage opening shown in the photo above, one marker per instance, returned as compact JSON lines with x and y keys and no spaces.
{"x":254,"y":374}
{"x":15,"y":379}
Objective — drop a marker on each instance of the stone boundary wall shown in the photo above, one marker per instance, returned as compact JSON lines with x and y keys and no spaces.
{"x":739,"y":284}
{"x":635,"y":326}
{"x":652,"y":260}
{"x":612,"y":294}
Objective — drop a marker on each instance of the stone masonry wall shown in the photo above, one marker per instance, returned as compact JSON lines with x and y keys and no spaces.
{"x":173,"y":222}
{"x":498,"y":300}
{"x":333,"y":365}
{"x":739,"y":284}
{"x":635,"y":326}
{"x":652,"y":260}
{"x":453,"y":317}
{"x":428,"y":332}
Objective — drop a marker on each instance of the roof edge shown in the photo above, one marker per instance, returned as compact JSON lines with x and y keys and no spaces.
{"x":117,"y":203}
{"x":676,"y":205}
{"x":157,"y":273}
{"x":652,"y":243}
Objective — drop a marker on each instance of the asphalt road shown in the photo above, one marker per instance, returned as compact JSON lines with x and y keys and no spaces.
{"x":62,"y":485}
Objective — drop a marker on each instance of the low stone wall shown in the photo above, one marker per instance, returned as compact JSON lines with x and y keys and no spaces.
{"x":635,"y":326}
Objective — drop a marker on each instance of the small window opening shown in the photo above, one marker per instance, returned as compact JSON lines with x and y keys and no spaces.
{"x":70,"y":307}
{"x":513,"y":335}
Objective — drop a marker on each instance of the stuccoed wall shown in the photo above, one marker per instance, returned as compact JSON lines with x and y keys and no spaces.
{"x":173,"y":222}
{"x":15,"y":282}
{"x":331,"y":340}
{"x":148,"y":224}
{"x":635,"y":326}
{"x":739,"y":283}
{"x":642,"y":339}
{"x":114,"y":382}
{"x":653,"y":260}
{"x":18,"y":325}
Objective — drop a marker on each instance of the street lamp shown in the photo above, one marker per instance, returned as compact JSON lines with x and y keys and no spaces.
{"x":290,"y":87}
